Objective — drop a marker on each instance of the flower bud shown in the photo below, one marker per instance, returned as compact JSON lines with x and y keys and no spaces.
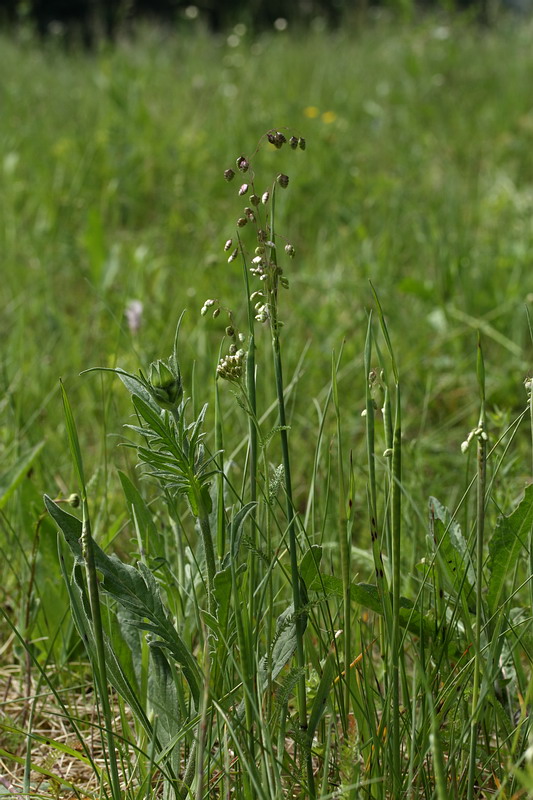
{"x":283,"y":180}
{"x":243,"y":164}
{"x":165,"y":385}
{"x":73,"y":500}
{"x":229,"y":174}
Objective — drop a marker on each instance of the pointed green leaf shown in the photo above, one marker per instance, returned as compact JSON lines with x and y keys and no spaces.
{"x":15,"y":474}
{"x":137,"y":590}
{"x":321,"y":697}
{"x":510,"y":539}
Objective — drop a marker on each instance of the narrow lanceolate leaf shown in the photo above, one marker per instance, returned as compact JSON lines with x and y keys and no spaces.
{"x":452,"y":551}
{"x":510,"y":539}
{"x":284,"y":646}
{"x":136,"y":590}
{"x":10,"y":480}
{"x":124,"y":684}
{"x":321,"y":697}
{"x":74,"y":443}
{"x":368,"y":596}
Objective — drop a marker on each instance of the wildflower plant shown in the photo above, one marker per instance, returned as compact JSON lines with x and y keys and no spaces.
{"x":249,"y":667}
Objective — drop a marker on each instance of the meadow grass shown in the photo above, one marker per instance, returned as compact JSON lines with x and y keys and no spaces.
{"x":336,"y":592}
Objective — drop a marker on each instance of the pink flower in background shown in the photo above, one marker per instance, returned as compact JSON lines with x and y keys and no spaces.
{"x":134,"y":313}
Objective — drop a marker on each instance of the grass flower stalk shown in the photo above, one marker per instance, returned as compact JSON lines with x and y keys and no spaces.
{"x":272,"y":290}
{"x":481,"y":434}
{"x":99,"y":663}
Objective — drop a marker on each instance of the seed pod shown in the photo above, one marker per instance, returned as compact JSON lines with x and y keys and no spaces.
{"x":271,"y":137}
{"x":280,"y":138}
{"x":255,"y":199}
{"x":234,"y":255}
{"x":228,"y":244}
{"x":229,"y":174}
{"x":283,"y":180}
{"x":230,"y":331}
{"x":216,"y":312}
{"x":243,"y":189}
{"x":301,"y":143}
{"x":293,"y":141}
{"x":264,"y":198}
{"x":249,"y":213}
{"x":289,"y":249}
{"x":241,"y":222}
{"x":243,"y":164}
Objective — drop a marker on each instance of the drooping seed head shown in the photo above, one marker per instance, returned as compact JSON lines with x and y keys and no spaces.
{"x":229,"y":174}
{"x":255,"y":199}
{"x":302,"y":143}
{"x":241,"y":222}
{"x":243,"y":164}
{"x":293,"y":141}
{"x":243,"y":189}
{"x":283,"y":180}
{"x":289,"y":249}
{"x":228,"y":244}
{"x":265,"y":197}
{"x":234,"y":255}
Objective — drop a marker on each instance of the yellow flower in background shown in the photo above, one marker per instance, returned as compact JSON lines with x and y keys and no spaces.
{"x":311,"y":111}
{"x":328,"y":117}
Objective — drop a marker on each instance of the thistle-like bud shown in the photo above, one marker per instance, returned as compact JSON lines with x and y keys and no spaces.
{"x":165,"y":385}
{"x":241,"y":222}
{"x":283,"y":180}
{"x":229,"y":174}
{"x":74,"y":500}
{"x":228,"y":244}
{"x":243,"y":189}
{"x":255,"y":199}
{"x":289,"y":249}
{"x":243,"y":164}
{"x":293,"y":141}
{"x":302,"y":143}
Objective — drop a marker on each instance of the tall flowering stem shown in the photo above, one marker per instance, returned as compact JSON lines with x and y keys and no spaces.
{"x":265,"y":266}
